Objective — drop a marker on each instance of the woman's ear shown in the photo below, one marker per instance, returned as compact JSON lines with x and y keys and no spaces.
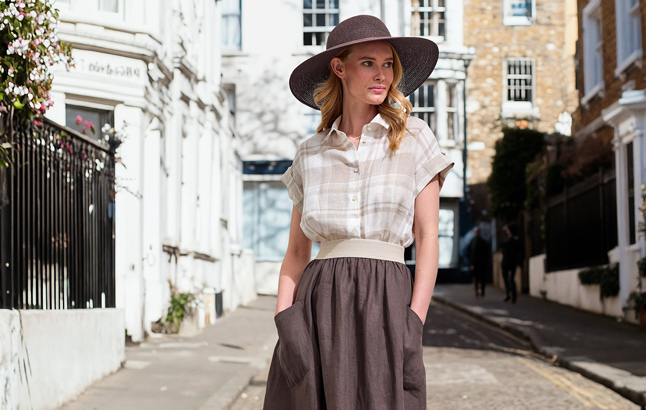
{"x":337,"y":67}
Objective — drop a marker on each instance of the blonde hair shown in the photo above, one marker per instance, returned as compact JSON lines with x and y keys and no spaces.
{"x":329,"y":97}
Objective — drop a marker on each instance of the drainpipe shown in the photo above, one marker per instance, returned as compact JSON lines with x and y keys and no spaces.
{"x":464,"y":150}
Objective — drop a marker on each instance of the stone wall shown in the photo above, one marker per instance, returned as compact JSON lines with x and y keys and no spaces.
{"x":548,"y":41}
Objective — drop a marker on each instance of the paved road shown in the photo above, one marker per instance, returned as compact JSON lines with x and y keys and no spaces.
{"x":471,"y":365}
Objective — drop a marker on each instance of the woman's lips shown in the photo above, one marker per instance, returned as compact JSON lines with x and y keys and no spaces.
{"x":378,"y":89}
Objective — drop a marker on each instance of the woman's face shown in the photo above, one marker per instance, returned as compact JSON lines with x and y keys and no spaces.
{"x":366,"y":73}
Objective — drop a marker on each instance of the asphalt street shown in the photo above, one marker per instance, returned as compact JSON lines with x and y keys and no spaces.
{"x":472,"y":365}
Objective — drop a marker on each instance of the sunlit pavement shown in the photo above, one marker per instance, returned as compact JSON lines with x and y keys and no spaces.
{"x":472,"y":365}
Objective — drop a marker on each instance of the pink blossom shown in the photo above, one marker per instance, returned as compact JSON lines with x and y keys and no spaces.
{"x":78,"y":119}
{"x":36,"y":122}
{"x":11,"y":71}
{"x":21,"y":5}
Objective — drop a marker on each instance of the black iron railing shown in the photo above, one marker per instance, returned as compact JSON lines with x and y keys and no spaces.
{"x":581,"y":224}
{"x":57,"y":221}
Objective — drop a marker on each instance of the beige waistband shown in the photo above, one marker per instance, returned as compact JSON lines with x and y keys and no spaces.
{"x":361,"y":248}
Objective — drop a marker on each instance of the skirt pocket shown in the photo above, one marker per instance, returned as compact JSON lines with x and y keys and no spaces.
{"x":414,"y":372}
{"x":294,"y":343}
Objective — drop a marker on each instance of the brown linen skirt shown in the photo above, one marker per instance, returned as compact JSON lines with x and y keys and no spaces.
{"x":350,"y":340}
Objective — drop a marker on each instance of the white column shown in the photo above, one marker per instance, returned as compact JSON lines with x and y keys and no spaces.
{"x":622,"y":217}
{"x":152,"y":243}
{"x":129,"y":222}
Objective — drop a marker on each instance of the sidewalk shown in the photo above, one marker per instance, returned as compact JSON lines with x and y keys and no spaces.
{"x":205,"y":372}
{"x":599,"y":347}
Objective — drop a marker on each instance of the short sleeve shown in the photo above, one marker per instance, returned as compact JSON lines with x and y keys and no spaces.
{"x":429,"y":160}
{"x":293,"y":180}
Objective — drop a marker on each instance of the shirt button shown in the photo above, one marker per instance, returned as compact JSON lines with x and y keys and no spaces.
{"x":354,"y":232}
{"x":369,"y":128}
{"x":356,"y":170}
{"x":354,"y":198}
{"x":363,"y":141}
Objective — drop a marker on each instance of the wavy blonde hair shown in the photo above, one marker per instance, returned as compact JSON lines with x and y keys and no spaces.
{"x":329,"y":97}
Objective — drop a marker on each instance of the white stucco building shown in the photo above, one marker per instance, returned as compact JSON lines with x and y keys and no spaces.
{"x":156,"y":65}
{"x":258,"y":58}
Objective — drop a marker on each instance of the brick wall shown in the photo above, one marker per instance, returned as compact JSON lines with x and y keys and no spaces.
{"x":634,"y":77}
{"x":546,"y":41}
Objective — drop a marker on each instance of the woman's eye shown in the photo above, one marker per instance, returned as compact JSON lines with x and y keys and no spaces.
{"x":367,"y":63}
{"x":389,"y":64}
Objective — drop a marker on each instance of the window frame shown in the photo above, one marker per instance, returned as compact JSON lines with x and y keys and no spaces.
{"x":514,"y":106}
{"x":325,"y":30}
{"x":628,"y":20}
{"x":592,"y":53}
{"x":431,"y":111}
{"x":225,"y":16}
{"x":518,"y":20}
{"x":435,"y":22}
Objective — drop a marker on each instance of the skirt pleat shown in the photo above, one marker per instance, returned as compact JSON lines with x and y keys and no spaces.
{"x":350,"y":340}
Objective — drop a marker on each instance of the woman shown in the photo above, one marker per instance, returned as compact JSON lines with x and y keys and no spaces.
{"x":350,"y":321}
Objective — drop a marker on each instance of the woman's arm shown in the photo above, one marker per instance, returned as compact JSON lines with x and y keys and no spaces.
{"x":427,"y":216}
{"x":299,"y":253}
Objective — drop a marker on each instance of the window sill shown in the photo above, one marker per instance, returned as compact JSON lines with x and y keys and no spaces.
{"x":634,"y":58}
{"x":516,"y":109}
{"x":518,"y":21}
{"x":597,"y":89}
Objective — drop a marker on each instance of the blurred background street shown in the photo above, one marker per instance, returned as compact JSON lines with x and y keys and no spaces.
{"x":143,"y":223}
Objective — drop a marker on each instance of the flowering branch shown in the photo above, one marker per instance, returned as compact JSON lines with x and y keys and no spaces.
{"x":29,"y":46}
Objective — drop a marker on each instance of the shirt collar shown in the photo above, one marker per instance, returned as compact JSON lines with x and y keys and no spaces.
{"x":379,"y":120}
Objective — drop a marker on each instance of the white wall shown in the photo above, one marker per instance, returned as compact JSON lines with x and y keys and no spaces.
{"x":63,"y":352}
{"x":179,"y":185}
{"x":564,"y":287}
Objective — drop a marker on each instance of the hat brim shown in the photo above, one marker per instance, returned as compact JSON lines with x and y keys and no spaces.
{"x":417,"y":55}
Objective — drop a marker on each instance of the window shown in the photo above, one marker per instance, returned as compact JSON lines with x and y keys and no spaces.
{"x":109,"y":5}
{"x":97,"y":117}
{"x":428,"y":18}
{"x":628,"y":33}
{"x":446,"y":237}
{"x":592,"y":50}
{"x":519,"y":12}
{"x":451,"y":112}
{"x":319,"y":18}
{"x":520,"y":80}
{"x":231,"y":25}
{"x":423,"y":101}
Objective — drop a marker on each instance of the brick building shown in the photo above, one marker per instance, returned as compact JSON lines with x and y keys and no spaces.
{"x":524,"y":70}
{"x":611,"y":84}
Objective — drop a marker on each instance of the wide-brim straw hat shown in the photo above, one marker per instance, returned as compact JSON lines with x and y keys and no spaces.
{"x":418,"y":57}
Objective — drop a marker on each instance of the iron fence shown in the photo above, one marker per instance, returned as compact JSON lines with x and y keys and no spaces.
{"x":581,"y":224}
{"x":57,"y":221}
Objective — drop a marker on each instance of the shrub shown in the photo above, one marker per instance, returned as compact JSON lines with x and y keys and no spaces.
{"x":607,"y":277}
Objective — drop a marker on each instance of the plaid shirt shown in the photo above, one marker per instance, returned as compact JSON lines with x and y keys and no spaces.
{"x":342,"y":192}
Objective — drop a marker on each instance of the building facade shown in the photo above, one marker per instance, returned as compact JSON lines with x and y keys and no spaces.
{"x":612,"y":91}
{"x":523,"y":73}
{"x":153,"y":69}
{"x":272,"y":123}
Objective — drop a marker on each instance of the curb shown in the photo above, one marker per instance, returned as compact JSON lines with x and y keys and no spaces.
{"x":635,"y":396}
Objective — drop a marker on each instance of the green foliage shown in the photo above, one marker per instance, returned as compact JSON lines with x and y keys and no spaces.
{"x":507,"y":182}
{"x":636,"y":302}
{"x":607,"y":277}
{"x":180,"y":303}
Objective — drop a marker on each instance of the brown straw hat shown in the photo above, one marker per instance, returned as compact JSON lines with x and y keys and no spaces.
{"x":418,"y":57}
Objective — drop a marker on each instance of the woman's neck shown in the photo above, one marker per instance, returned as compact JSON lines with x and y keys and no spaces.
{"x":355,"y":116}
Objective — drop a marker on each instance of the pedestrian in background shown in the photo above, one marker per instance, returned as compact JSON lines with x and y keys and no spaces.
{"x":350,"y":322}
{"x":479,"y":261}
{"x":511,"y":259}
